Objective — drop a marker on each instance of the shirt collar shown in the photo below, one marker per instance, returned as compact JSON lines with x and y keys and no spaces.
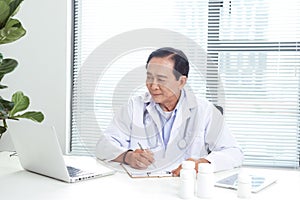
{"x":163,"y":113}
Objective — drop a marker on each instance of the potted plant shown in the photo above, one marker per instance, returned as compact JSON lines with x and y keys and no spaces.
{"x":11,"y":30}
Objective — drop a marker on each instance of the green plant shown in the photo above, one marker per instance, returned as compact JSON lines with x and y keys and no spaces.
{"x":11,"y":30}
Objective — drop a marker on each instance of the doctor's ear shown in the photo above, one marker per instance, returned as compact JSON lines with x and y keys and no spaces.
{"x":182,"y":80}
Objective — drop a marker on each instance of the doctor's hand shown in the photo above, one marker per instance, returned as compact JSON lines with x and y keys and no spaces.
{"x":139,"y":159}
{"x":176,"y":172}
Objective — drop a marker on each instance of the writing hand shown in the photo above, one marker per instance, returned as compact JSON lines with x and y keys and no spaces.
{"x":140,"y":158}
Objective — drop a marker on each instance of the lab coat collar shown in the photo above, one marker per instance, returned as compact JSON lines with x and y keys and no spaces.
{"x":190,"y":100}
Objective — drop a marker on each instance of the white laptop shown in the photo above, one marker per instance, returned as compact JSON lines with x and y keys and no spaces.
{"x":39,"y":151}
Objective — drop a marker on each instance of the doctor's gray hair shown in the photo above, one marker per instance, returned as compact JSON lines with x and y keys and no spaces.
{"x":181,"y":63}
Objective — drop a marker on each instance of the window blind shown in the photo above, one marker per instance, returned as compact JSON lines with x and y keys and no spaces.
{"x":258,"y":57}
{"x":244,"y":56}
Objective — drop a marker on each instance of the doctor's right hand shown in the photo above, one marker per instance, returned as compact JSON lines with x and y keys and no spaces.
{"x":139,"y":159}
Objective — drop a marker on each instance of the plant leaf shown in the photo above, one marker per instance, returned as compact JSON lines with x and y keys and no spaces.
{"x":8,"y":9}
{"x":6,"y":66}
{"x":4,"y":13}
{"x":12,"y":31}
{"x":5,"y":107}
{"x":14,"y":6}
{"x":5,"y":104}
{"x":34,"y":116}
{"x":21,"y":103}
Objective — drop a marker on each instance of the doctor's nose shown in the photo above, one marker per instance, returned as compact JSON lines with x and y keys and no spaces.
{"x":153,"y":85}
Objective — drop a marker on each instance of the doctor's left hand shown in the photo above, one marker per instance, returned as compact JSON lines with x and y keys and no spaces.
{"x":139,"y":159}
{"x":176,"y":172}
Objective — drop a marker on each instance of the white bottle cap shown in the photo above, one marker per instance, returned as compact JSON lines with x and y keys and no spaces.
{"x":205,"y":168}
{"x":188,"y":164}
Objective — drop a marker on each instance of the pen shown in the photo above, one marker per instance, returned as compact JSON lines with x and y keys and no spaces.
{"x":144,"y":150}
{"x":141,"y":146}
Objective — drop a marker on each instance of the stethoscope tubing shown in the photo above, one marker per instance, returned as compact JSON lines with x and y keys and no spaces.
{"x":182,"y":143}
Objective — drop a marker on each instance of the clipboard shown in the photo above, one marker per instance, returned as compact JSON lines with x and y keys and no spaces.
{"x":144,"y":174}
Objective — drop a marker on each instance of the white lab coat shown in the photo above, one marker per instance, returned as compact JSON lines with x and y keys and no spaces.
{"x":199,"y":127}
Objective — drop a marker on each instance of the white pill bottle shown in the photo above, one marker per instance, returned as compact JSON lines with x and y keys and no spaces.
{"x":187,"y":180}
{"x":244,"y":185}
{"x":205,"y":180}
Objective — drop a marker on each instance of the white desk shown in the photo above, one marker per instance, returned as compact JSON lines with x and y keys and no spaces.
{"x":15,"y":184}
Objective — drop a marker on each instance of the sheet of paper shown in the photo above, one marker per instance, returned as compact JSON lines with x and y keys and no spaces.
{"x":134,"y":173}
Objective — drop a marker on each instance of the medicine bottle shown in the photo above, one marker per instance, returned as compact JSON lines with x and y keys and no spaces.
{"x":187,"y":180}
{"x":205,"y":180}
{"x":244,"y":185}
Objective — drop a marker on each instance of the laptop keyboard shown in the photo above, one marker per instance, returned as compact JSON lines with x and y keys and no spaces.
{"x":74,"y":172}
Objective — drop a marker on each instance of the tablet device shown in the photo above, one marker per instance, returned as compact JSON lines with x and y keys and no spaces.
{"x":259,"y":182}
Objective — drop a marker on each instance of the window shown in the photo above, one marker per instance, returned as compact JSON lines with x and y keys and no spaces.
{"x":244,"y":56}
{"x":258,"y":61}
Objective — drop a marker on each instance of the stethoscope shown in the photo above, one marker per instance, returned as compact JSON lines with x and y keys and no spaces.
{"x":182,"y":143}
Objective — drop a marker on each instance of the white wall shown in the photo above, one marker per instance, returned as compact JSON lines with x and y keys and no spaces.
{"x":44,"y":61}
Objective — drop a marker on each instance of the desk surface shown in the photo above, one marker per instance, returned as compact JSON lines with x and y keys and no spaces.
{"x":16,"y":183}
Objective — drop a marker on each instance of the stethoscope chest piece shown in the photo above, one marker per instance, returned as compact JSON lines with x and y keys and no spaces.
{"x":182,"y":144}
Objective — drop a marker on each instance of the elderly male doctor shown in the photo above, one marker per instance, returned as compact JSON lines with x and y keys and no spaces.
{"x":168,"y":124}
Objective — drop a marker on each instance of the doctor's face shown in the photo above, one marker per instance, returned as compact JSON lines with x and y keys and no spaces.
{"x":161,"y":81}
